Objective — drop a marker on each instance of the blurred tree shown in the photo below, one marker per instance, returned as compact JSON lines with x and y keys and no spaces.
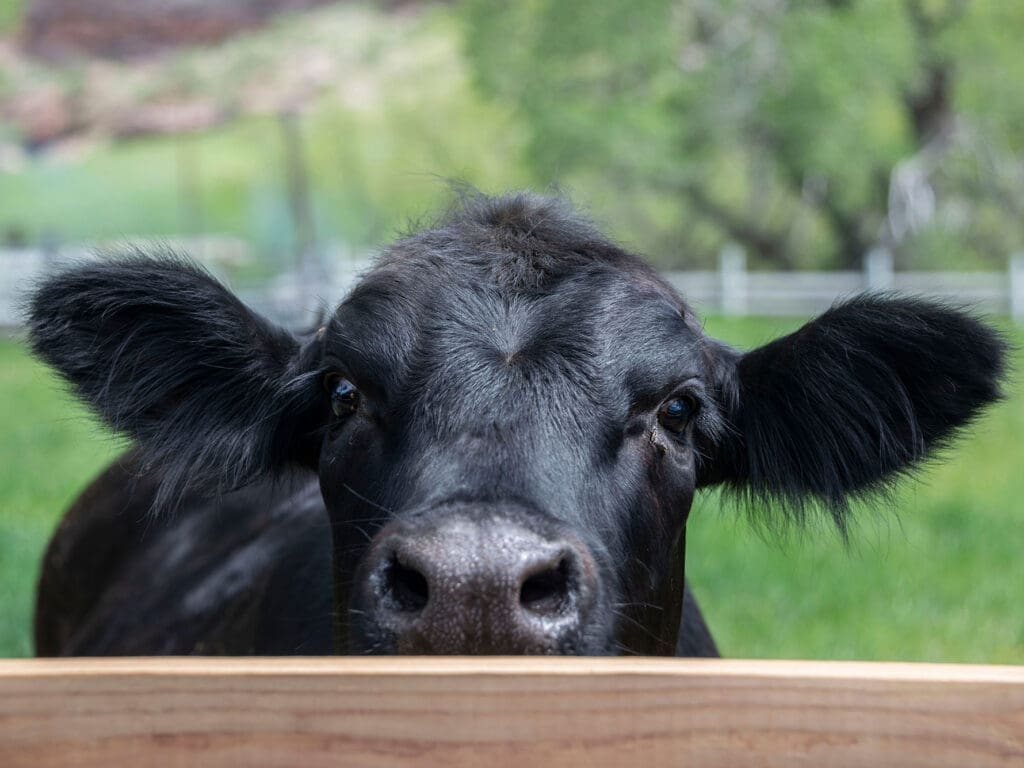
{"x":807,"y":130}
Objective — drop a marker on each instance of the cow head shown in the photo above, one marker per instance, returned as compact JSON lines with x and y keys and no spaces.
{"x":510,"y":416}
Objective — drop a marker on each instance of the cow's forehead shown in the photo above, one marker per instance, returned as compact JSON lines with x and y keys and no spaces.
{"x":599,"y":324}
{"x":512,"y":282}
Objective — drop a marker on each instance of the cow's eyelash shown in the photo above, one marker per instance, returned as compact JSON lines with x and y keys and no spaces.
{"x":692,"y":389}
{"x":365,"y":384}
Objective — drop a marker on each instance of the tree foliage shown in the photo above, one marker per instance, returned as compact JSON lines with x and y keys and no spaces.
{"x":806,"y":130}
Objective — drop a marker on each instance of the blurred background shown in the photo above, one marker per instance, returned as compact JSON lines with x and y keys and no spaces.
{"x":770,"y":155}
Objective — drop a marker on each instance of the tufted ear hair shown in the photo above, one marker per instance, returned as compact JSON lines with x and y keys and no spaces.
{"x":215,"y":395}
{"x":850,"y":401}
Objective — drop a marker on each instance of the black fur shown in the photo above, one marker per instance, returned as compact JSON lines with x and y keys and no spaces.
{"x":509,"y":357}
{"x":861,"y":394}
{"x":215,"y":395}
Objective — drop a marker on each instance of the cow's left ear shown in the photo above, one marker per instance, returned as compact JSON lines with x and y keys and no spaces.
{"x":849,"y":401}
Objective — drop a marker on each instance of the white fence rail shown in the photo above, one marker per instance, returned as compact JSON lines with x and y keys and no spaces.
{"x":731,"y":290}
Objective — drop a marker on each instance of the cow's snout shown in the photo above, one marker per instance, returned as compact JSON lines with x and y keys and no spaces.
{"x":473,"y":583}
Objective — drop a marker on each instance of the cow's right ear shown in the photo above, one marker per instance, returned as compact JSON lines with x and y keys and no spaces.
{"x":215,"y":395}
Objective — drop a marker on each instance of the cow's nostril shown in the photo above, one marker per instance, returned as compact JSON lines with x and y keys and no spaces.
{"x":406,"y":587}
{"x":547,"y":592}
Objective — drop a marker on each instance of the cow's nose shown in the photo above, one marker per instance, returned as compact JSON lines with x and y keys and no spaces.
{"x":481,"y":586}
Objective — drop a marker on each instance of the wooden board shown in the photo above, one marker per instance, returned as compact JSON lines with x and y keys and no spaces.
{"x":526,"y":713}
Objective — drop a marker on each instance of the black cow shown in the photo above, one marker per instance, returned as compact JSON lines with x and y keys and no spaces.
{"x":508,"y":416}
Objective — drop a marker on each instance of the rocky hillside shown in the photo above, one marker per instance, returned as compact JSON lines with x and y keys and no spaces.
{"x":284,"y":62}
{"x":61,"y":29}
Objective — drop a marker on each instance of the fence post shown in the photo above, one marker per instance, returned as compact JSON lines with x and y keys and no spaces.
{"x":1017,"y":286}
{"x":878,"y":269}
{"x":732,"y":280}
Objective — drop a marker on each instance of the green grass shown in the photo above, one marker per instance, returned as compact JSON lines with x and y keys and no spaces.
{"x":49,"y":451}
{"x":939,"y":578}
{"x":10,"y":15}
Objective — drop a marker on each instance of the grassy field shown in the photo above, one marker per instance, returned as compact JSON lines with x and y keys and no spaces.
{"x":938,"y":578}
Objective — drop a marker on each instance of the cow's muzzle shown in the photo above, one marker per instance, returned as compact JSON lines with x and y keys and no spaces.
{"x":468,"y":579}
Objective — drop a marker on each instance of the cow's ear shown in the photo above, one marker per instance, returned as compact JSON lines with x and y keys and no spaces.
{"x":849,"y":402}
{"x":215,"y":395}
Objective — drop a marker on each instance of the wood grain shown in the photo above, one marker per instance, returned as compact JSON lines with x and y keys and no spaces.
{"x":455,"y":712}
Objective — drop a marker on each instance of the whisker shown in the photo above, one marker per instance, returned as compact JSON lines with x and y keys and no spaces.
{"x":637,"y":624}
{"x":365,"y":534}
{"x":367,"y":519}
{"x":649,"y":606}
{"x":365,"y":500}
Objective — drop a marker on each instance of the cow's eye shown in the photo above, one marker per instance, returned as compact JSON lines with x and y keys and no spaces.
{"x":344,"y":395}
{"x":676,"y":413}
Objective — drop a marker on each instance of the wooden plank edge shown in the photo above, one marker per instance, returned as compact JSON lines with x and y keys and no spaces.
{"x":418,"y":666}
